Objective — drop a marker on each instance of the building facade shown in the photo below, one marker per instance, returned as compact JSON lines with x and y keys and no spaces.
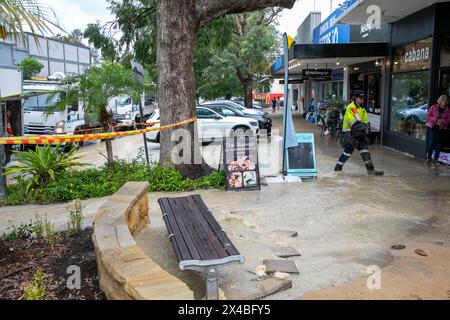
{"x":55,"y":55}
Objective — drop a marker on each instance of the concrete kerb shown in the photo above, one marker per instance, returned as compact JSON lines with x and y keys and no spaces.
{"x":125,"y":271}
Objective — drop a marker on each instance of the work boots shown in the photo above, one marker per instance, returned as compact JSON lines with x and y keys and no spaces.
{"x":373,"y":172}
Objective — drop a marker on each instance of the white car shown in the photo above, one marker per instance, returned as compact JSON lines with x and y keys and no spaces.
{"x":210,"y":125}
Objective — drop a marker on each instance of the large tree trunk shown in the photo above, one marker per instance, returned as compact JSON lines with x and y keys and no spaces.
{"x":106,"y":122}
{"x":177,"y":29}
{"x":178,"y":22}
{"x":248,"y":89}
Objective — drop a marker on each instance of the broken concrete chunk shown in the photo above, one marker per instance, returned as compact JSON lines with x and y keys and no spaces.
{"x":285,"y":252}
{"x":273,"y":285}
{"x":285,"y":266}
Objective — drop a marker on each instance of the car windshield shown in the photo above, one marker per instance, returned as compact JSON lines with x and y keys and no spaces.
{"x":227,"y":111}
{"x":124,"y":100}
{"x":40,"y":102}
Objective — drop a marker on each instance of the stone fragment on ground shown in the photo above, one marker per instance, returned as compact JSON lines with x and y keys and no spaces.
{"x":272,"y":286}
{"x":286,"y":233}
{"x":398,"y":247}
{"x":276,"y":265}
{"x":246,"y":212}
{"x":286,"y":252}
{"x":421,"y":252}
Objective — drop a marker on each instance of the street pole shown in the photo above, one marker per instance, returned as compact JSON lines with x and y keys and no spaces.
{"x":138,"y":71}
{"x":2,"y":153}
{"x":286,"y":95}
{"x":143,"y":135}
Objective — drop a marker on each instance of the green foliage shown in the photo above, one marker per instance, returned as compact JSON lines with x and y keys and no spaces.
{"x":30,"y":67}
{"x":36,"y":289}
{"x":76,"y":217}
{"x":51,"y":236}
{"x":242,"y":48}
{"x":96,"y":37}
{"x":39,"y":226}
{"x":75,"y":37}
{"x":42,"y":164}
{"x":103,"y":181}
{"x":21,"y":231}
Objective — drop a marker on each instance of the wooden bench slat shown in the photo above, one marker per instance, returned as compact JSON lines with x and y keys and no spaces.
{"x":206,"y":249}
{"x":222,"y":236}
{"x":192,"y":243}
{"x":212,"y":238}
{"x":180,"y":244}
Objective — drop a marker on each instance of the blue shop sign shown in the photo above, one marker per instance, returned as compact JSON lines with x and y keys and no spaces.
{"x":331,"y":32}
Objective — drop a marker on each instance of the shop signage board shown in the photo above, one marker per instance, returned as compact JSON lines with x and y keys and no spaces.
{"x":295,"y":81}
{"x":301,"y":160}
{"x":329,"y":32}
{"x":319,"y":73}
{"x":240,"y":160}
{"x":412,"y":57}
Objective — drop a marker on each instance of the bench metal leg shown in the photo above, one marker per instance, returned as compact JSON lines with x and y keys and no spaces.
{"x":212,"y":283}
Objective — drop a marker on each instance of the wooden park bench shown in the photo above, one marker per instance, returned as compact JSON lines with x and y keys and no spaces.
{"x":199,"y":242}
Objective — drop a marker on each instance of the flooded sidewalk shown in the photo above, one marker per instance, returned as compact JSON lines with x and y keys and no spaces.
{"x":344,"y":222}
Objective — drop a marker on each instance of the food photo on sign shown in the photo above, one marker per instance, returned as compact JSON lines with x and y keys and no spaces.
{"x":240,"y":158}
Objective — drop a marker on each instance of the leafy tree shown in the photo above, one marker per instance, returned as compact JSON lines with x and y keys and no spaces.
{"x":95,"y":89}
{"x":96,"y":37}
{"x":30,"y":67}
{"x":178,"y":22}
{"x":75,"y":37}
{"x":16,"y":16}
{"x":251,"y":44}
{"x":166,"y":31}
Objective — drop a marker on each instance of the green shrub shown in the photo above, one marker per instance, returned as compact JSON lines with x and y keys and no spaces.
{"x":99,"y":182}
{"x":42,"y":165}
{"x":36,"y":289}
{"x":21,"y":231}
{"x":76,"y":217}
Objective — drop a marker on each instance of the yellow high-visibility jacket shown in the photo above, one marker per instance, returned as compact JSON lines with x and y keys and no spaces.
{"x":353,"y":114}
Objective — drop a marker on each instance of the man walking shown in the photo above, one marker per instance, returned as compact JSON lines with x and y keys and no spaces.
{"x":355,"y":129}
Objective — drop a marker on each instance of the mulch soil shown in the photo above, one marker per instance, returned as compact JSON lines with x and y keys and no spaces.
{"x":20,"y":260}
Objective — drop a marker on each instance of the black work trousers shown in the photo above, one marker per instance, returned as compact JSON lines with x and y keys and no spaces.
{"x":350,"y":143}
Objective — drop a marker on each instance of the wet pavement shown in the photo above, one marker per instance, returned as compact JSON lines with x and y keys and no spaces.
{"x":345,"y":222}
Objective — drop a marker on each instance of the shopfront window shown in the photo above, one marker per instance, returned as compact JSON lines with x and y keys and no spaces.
{"x":409,"y":103}
{"x":410,"y":88}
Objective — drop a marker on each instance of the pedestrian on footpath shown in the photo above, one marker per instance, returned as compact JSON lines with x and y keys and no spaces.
{"x":274,"y":105}
{"x":438,"y":119}
{"x":355,"y":130}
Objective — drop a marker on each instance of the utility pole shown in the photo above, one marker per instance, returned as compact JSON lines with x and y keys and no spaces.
{"x":2,"y":153}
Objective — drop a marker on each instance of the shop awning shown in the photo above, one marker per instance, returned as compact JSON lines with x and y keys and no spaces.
{"x":330,"y":56}
{"x":391,"y":11}
{"x":24,"y":95}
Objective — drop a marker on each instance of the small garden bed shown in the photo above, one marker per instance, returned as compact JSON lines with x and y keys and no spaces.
{"x":99,"y":182}
{"x":23,"y":259}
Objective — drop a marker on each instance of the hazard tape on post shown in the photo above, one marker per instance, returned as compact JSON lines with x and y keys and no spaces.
{"x":55,"y":139}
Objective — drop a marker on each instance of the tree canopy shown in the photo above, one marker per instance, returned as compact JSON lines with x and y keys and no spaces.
{"x":30,"y":67}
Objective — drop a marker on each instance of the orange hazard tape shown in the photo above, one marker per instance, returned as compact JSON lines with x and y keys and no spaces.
{"x":54,"y":139}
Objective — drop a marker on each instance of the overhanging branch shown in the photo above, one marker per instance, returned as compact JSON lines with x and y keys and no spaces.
{"x":211,"y":9}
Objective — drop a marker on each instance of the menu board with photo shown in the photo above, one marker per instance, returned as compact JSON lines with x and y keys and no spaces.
{"x":240,"y":157}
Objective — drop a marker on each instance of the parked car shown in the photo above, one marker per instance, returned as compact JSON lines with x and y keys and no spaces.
{"x":255,"y":104}
{"x":211,"y":125}
{"x":228,"y":111}
{"x":414,"y":114}
{"x":238,"y":106}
